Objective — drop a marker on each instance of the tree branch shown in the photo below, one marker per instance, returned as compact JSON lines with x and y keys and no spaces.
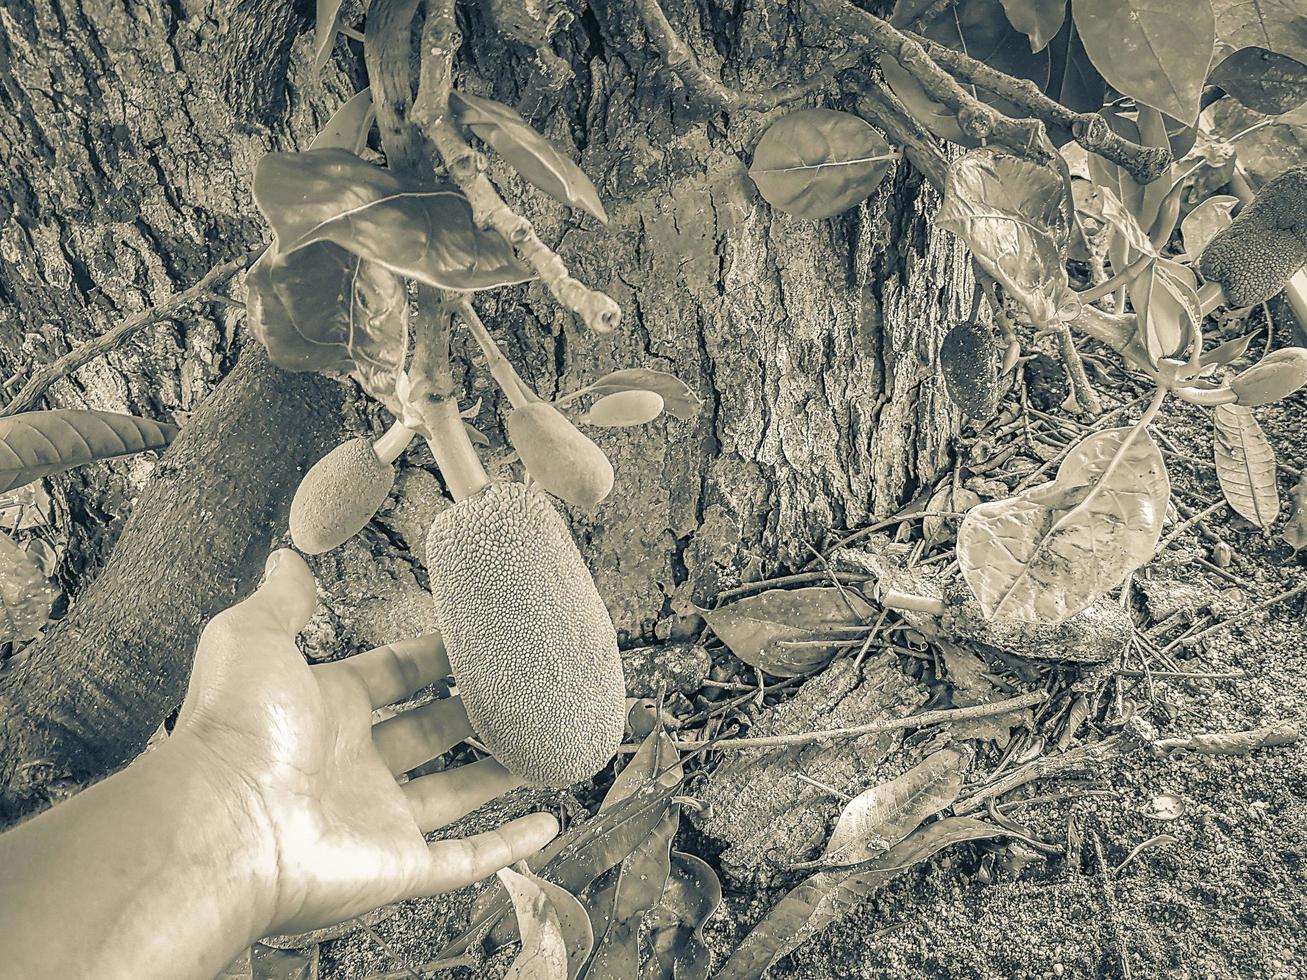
{"x":47,"y":375}
{"x":440,"y":39}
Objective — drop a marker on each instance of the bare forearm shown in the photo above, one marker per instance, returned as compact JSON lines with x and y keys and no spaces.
{"x":154,"y":872}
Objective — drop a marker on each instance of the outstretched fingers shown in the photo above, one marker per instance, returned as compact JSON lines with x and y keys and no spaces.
{"x":443,"y":797}
{"x":412,"y":737}
{"x":455,"y":863}
{"x":394,"y":671}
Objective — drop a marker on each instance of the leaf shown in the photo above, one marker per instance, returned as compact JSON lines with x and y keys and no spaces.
{"x":1295,"y":529}
{"x":268,"y":963}
{"x":1050,"y":551}
{"x":349,"y":126}
{"x":533,"y":156}
{"x":1245,"y":464}
{"x":828,"y":896}
{"x":815,"y":163}
{"x":678,"y":400}
{"x":1279,"y":25}
{"x":425,"y":233}
{"x":1228,"y":352}
{"x":1204,"y":222}
{"x":675,"y":926}
{"x":757,"y":627}
{"x":878,"y":818}
{"x":37,"y":444}
{"x":1168,"y":309}
{"x":25,"y":595}
{"x":1264,"y":81}
{"x":555,"y":930}
{"x":1155,"y":51}
{"x":656,"y":756}
{"x":623,"y":408}
{"x":1073,"y":79}
{"x":1124,"y":221}
{"x":324,"y":32}
{"x":322,"y":309}
{"x":1012,"y":215}
{"x":1040,"y":20}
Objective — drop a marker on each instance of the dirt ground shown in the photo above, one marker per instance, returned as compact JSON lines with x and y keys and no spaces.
{"x":1217,"y":888}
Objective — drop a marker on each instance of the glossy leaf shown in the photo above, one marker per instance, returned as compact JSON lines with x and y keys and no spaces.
{"x":1154,"y":51}
{"x":322,"y":309}
{"x":424,"y":233}
{"x":1050,"y":551}
{"x":1295,"y":529}
{"x":25,"y":595}
{"x":533,"y":156}
{"x":828,"y":896}
{"x":675,"y":926}
{"x":1276,"y":376}
{"x":324,"y":32}
{"x":1040,"y":20}
{"x":758,"y":627}
{"x":678,"y":400}
{"x":1228,"y":352}
{"x":37,"y":444}
{"x":555,"y":930}
{"x":1125,"y":222}
{"x":1012,"y":215}
{"x":657,"y":756}
{"x":1168,"y":309}
{"x":814,"y":163}
{"x":349,"y":126}
{"x":878,"y":818}
{"x":623,"y":408}
{"x":1245,"y":464}
{"x":1277,"y":25}
{"x":1264,"y":81}
{"x":1205,"y":221}
{"x":1073,"y":79}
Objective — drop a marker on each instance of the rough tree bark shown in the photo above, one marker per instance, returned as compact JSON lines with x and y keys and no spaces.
{"x":131,"y":130}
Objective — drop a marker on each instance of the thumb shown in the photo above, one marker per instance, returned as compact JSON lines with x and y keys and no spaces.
{"x":288,"y":594}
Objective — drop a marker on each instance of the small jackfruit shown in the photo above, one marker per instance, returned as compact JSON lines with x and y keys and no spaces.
{"x":969,"y":359}
{"x":559,"y":456}
{"x":529,"y":639}
{"x":1264,"y":246}
{"x":338,"y":496}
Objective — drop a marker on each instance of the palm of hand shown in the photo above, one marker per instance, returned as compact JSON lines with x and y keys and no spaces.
{"x":342,"y":834}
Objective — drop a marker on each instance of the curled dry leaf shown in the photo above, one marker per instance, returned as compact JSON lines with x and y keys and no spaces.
{"x":555,"y":930}
{"x":1013,"y":216}
{"x":814,"y":163}
{"x":1245,"y":464}
{"x":1295,"y":529}
{"x":675,"y":926}
{"x":782,"y":631}
{"x":878,"y":818}
{"x":533,"y":156}
{"x":623,"y":408}
{"x":25,"y":595}
{"x":559,"y":456}
{"x":425,"y":233}
{"x":1049,"y":552}
{"x":37,"y":444}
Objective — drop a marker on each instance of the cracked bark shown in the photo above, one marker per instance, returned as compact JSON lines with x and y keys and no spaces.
{"x":130,"y":130}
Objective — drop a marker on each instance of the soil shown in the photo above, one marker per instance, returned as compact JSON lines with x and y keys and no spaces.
{"x":1187,"y":866}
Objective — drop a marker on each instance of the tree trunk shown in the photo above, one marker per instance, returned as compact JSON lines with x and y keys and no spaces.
{"x":130,"y":130}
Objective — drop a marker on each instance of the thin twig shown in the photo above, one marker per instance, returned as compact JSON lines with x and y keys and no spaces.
{"x":921,"y":720}
{"x":1188,"y":641}
{"x":43,"y":377}
{"x":440,"y":39}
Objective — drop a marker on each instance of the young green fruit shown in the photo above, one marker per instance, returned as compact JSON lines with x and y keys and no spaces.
{"x":1265,"y":244}
{"x":558,"y":456}
{"x":1277,"y":375}
{"x":969,"y":358}
{"x":529,"y":639}
{"x":338,"y":496}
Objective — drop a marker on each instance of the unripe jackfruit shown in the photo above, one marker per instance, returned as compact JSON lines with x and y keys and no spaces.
{"x":559,"y":456}
{"x":338,"y":496}
{"x":1264,"y":246}
{"x":530,"y":642}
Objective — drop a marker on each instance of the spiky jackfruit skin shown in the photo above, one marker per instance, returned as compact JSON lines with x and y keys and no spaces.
{"x":1264,"y":246}
{"x":338,"y":496}
{"x":529,"y":639}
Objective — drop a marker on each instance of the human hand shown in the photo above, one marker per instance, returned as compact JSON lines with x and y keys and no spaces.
{"x":295,"y":756}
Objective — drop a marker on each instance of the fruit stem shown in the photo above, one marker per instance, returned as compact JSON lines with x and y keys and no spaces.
{"x":458,"y":460}
{"x":396,"y":439}
{"x":1210,"y":296}
{"x":501,"y":368}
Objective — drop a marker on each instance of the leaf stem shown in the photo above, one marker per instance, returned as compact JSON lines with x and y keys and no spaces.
{"x":518,"y":392}
{"x":395,"y":440}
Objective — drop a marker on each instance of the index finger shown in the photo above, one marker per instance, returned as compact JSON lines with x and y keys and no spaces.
{"x":394,"y":671}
